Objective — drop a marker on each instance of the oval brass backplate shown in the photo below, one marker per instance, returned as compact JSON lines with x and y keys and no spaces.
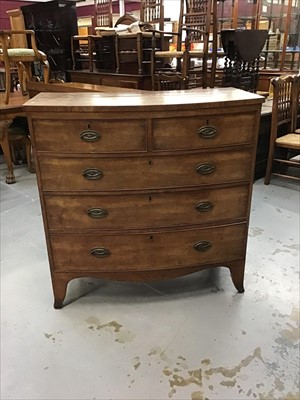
{"x":90,"y":136}
{"x":202,"y":245}
{"x":100,"y":252}
{"x":207,"y":132}
{"x":92,"y":173}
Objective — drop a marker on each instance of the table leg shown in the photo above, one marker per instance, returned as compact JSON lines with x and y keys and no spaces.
{"x":4,"y":142}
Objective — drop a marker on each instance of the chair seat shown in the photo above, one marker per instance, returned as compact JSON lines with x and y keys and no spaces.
{"x":22,"y":52}
{"x":291,"y":140}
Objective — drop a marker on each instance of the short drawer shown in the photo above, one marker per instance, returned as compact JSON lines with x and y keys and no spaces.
{"x":141,"y":211}
{"x":152,"y":251}
{"x":200,"y":132}
{"x":144,"y":172}
{"x":83,"y":136}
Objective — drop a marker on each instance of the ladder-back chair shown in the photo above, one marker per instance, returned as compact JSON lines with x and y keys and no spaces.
{"x":284,"y":141}
{"x":170,"y":81}
{"x":22,"y":57}
{"x":198,"y":22}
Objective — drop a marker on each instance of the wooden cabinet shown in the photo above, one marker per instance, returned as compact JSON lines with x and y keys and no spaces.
{"x":54,"y":23}
{"x":144,"y":186}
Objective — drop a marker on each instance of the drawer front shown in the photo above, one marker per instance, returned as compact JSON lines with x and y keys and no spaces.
{"x":81,"y":136}
{"x":144,"y":172}
{"x":200,"y":132}
{"x":137,"y":252}
{"x":146,"y":210}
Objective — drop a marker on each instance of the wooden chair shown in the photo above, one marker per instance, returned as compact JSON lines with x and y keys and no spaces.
{"x":169,"y":81}
{"x":284,"y":141}
{"x":133,"y":49}
{"x":198,"y":21}
{"x":16,"y":135}
{"x":22,"y":57}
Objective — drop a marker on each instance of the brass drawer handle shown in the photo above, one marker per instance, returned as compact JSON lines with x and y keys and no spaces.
{"x":97,"y":212}
{"x":205,"y":169}
{"x":100,"y":252}
{"x":90,"y":136}
{"x":203,"y":245}
{"x":92,"y":173}
{"x":207,"y":132}
{"x":204,"y":206}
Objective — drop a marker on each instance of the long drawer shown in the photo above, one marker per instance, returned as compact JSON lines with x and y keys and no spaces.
{"x":84,"y":136}
{"x":142,"y":211}
{"x":203,"y":132}
{"x":138,"y":252}
{"x":61,"y":174}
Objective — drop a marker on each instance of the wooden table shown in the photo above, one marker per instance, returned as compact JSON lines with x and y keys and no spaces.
{"x":8,"y":113}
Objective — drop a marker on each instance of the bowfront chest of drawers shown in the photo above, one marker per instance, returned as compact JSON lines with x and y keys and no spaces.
{"x":144,"y":186}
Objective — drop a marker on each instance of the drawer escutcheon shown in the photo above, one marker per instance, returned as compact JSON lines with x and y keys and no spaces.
{"x":92,"y":173}
{"x":204,"y":206}
{"x":90,"y":136}
{"x":203,"y":245}
{"x":207,"y":132}
{"x":97,"y":212}
{"x":100,"y":252}
{"x":205,"y":169}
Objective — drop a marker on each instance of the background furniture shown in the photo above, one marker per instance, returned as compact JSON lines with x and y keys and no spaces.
{"x":284,"y":141}
{"x":7,"y":114}
{"x":242,"y":50}
{"x":22,"y":57}
{"x":54,"y":23}
{"x":133,"y":50}
{"x":197,"y":28}
{"x":152,"y":185}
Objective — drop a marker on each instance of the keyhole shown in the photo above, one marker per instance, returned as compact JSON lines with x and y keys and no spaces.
{"x":150,"y":162}
{"x":89,"y":126}
{"x":150,"y":198}
{"x":207,"y":122}
{"x":151,"y":237}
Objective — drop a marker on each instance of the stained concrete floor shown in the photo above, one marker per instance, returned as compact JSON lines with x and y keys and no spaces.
{"x":187,"y":338}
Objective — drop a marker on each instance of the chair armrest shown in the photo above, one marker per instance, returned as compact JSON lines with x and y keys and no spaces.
{"x":5,"y":34}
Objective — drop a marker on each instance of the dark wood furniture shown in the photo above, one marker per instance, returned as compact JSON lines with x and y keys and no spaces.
{"x":54,"y":23}
{"x":131,"y":81}
{"x":151,"y":185}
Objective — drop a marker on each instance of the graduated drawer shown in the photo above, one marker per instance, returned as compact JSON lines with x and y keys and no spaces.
{"x":153,"y":251}
{"x":146,"y":210}
{"x":81,"y":136}
{"x":144,"y":172}
{"x":201,"y":132}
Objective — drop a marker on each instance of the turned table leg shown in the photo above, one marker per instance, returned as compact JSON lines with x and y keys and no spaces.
{"x":237,"y":269}
{"x":4,"y":142}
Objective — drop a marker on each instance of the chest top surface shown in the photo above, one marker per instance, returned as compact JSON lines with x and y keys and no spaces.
{"x":148,"y":101}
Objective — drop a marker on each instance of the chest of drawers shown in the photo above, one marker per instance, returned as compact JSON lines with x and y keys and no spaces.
{"x":144,"y":186}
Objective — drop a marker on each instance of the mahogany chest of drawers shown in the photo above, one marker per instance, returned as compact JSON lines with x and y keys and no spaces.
{"x":144,"y":186}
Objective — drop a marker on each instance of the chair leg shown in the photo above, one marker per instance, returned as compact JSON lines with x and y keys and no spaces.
{"x":7,"y":82}
{"x":4,"y":142}
{"x":28,"y":154}
{"x":22,"y":76}
{"x":46,"y":71}
{"x":269,"y":164}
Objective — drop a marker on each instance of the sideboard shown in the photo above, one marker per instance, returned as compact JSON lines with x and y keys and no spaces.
{"x":144,"y":186}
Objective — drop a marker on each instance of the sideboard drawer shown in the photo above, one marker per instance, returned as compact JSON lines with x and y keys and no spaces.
{"x":84,"y":136}
{"x":201,"y":132}
{"x":151,"y":251}
{"x":143,"y":211}
{"x":144,"y":172}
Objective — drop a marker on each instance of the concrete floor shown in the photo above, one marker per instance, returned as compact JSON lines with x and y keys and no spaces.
{"x":187,"y":338}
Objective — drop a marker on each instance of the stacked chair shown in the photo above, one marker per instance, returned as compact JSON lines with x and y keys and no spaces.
{"x":284,"y":148}
{"x":196,"y":53}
